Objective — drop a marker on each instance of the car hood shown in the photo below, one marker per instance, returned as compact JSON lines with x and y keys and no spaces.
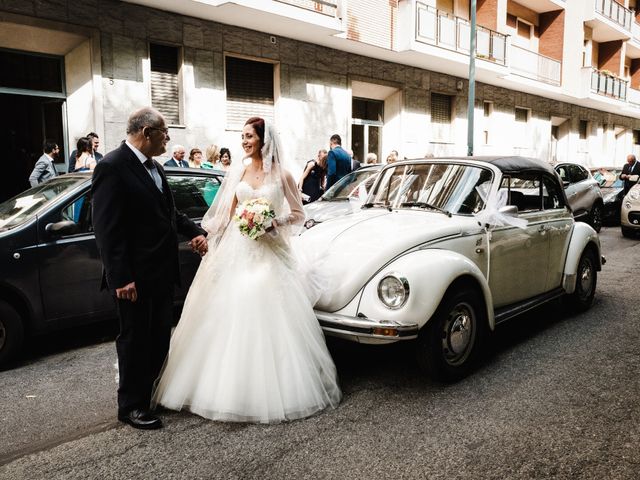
{"x":353,"y":248}
{"x":321,"y":211}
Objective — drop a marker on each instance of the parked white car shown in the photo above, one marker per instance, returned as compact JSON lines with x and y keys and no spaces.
{"x":583,"y":193}
{"x":344,"y":197}
{"x":445,"y":249}
{"x":630,"y":211}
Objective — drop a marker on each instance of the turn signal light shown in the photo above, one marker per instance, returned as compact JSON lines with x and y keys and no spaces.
{"x":385,"y":332}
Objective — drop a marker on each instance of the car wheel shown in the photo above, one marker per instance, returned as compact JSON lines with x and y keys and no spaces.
{"x":11,"y":332}
{"x":626,"y":232}
{"x":586,"y":280}
{"x":595,"y":218}
{"x":450,"y":344}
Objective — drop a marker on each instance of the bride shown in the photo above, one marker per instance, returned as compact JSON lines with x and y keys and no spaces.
{"x":248,"y":346}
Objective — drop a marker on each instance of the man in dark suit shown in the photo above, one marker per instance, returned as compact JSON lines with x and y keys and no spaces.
{"x":44,"y":169}
{"x":95,"y":141}
{"x":177,"y":160}
{"x":338,"y":161}
{"x":355,"y":164}
{"x":136,"y":226}
{"x":631,"y":168}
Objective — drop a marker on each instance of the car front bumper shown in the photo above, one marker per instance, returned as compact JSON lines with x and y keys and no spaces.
{"x":365,"y":330}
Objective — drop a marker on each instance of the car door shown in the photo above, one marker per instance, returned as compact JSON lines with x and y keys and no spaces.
{"x":70,"y":266}
{"x":519,"y":256}
{"x":193,"y":194}
{"x":579,"y":193}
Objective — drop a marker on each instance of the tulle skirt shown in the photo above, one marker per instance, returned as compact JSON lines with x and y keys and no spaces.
{"x":248,"y":346}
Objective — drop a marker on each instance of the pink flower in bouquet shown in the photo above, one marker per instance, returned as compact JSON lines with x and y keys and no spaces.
{"x":254,"y":217}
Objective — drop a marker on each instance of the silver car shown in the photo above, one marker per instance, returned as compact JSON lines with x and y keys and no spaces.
{"x":344,"y":197}
{"x":583,"y":193}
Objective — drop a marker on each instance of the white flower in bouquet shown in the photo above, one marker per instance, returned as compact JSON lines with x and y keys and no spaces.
{"x":254,"y":217}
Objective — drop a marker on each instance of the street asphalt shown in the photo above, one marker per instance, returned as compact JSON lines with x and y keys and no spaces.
{"x":557,"y":398}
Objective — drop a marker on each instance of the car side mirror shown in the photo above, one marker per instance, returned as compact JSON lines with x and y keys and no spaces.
{"x":59,"y":229}
{"x":511,"y":210}
{"x":565,"y":183}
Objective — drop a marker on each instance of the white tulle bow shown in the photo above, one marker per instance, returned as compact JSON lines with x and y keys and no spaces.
{"x":491,"y":214}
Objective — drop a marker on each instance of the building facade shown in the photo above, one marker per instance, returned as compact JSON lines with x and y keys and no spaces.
{"x":556,"y":79}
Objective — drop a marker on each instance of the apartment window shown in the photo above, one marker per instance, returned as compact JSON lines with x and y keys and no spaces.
{"x":165,"y":64}
{"x":249,"y":90}
{"x":441,"y":116}
{"x":488,"y":110}
{"x":522,"y":115}
{"x":524,"y":29}
{"x":636,"y":137}
{"x":582,"y":129}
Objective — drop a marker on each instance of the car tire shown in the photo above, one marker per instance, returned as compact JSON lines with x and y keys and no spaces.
{"x":450,"y":345}
{"x":626,"y":232}
{"x":11,"y":332}
{"x":586,"y":280}
{"x":595,"y":217}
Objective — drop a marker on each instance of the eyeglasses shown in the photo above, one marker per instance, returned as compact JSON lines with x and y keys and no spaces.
{"x":164,"y":130}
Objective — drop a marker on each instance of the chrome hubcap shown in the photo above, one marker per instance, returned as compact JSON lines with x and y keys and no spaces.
{"x":458,"y":334}
{"x":586,"y":279}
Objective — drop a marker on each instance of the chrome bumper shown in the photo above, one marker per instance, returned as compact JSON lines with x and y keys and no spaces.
{"x":355,"y":328}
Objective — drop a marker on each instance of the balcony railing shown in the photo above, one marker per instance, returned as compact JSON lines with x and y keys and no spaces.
{"x":320,"y":6}
{"x":535,"y":66}
{"x":615,"y":12}
{"x":633,"y":97}
{"x":635,"y":31}
{"x":439,"y":28}
{"x":606,"y":84}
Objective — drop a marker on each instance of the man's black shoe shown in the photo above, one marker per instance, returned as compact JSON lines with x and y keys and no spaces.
{"x":141,"y":419}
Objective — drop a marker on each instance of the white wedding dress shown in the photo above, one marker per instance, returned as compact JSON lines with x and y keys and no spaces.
{"x":248,"y":346}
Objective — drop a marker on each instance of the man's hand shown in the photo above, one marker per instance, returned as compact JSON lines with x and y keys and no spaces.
{"x":199,"y":244}
{"x":128,"y":292}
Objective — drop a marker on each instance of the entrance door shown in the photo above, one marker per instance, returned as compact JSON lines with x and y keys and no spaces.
{"x":366,"y":127}
{"x":31,"y":99}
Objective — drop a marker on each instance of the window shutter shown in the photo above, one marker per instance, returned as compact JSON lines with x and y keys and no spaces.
{"x":164,"y":81}
{"x":249,"y":91}
{"x":440,"y":108}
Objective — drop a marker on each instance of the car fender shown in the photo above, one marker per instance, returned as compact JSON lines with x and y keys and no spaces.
{"x":429,"y":273}
{"x":581,"y":237}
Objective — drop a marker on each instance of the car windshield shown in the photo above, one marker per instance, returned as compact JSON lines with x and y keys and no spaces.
{"x":26,"y":205}
{"x":349,"y":185}
{"x":447,"y":187}
{"x":608,"y":178}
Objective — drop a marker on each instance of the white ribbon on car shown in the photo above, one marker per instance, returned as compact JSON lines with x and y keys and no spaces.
{"x":491,"y":214}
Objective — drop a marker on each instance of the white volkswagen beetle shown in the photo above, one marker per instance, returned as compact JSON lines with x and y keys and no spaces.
{"x":443,"y":250}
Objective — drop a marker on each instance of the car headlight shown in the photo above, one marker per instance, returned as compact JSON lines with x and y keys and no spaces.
{"x":393,"y":290}
{"x":309,"y":223}
{"x":634,"y":194}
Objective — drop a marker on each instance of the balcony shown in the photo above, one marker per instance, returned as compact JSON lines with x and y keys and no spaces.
{"x":603,"y":83}
{"x":444,"y":30}
{"x":319,"y":6}
{"x":609,"y":20}
{"x":633,"y":96}
{"x":535,"y":66}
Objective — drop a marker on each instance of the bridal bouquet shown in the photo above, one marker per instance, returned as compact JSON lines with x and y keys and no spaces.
{"x":254,"y":217}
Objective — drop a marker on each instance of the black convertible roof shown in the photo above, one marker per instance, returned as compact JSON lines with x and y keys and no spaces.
{"x":517,"y":164}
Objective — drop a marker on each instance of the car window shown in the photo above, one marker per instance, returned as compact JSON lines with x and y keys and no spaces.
{"x":578,"y":173}
{"x":552,"y":197}
{"x":193,"y":194}
{"x":524,"y":191}
{"x":347,"y":186}
{"x":79,"y":211}
{"x":563,"y":172}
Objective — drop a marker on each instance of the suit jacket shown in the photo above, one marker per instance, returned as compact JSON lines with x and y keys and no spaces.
{"x":72,"y":160}
{"x":338,"y":165}
{"x":42,"y":170}
{"x":630,"y":170}
{"x":172,"y":163}
{"x":136,"y":226}
{"x":355,"y":165}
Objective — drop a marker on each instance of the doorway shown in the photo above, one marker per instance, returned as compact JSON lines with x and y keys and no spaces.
{"x":366,"y":126}
{"x":32,"y":90}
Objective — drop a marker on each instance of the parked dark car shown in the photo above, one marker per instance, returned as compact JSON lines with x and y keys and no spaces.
{"x":612,"y":192}
{"x":583,"y":193}
{"x":50,"y":268}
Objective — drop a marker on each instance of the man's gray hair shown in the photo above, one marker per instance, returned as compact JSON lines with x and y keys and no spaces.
{"x":145,"y":117}
{"x":177,"y":147}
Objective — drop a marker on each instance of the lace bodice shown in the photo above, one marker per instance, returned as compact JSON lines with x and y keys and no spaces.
{"x":273,"y":195}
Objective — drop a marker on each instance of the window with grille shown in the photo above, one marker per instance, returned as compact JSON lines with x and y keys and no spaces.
{"x":249,"y":91}
{"x":522,"y":115}
{"x":441,"y":116}
{"x":636,"y":137}
{"x":165,"y":95}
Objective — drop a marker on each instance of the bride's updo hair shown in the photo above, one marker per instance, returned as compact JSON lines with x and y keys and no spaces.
{"x":258,"y":125}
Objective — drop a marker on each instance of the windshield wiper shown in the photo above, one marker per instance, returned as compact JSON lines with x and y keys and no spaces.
{"x":426,"y":205}
{"x":372,"y":204}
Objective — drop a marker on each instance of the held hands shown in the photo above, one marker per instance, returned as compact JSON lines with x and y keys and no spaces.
{"x":128,"y":292}
{"x":199,"y":245}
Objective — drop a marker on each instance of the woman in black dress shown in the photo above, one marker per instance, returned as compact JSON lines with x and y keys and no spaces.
{"x":312,"y":182}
